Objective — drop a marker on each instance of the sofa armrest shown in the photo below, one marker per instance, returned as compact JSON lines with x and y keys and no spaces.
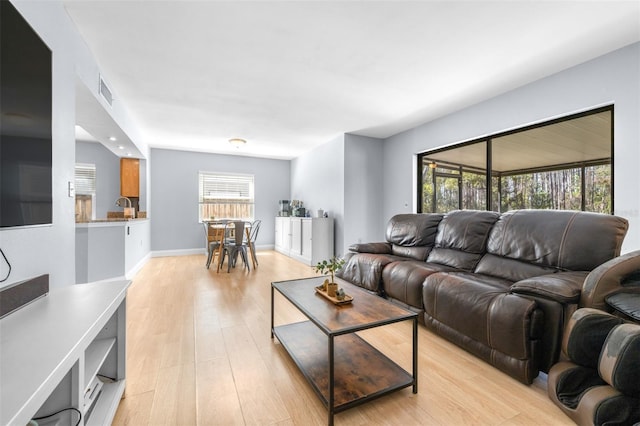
{"x":375,"y":248}
{"x":620,"y":273}
{"x":562,"y":287}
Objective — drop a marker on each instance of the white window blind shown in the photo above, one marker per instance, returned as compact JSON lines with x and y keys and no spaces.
{"x":85,"y":179}
{"x":226,"y":196}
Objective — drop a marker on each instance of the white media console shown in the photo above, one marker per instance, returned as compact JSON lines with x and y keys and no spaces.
{"x":66,"y":349}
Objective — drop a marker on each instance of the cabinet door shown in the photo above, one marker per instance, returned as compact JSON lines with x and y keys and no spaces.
{"x":130,"y":177}
{"x":279,"y":241}
{"x":307,"y":226}
{"x":296,"y":236}
{"x":322,"y":242}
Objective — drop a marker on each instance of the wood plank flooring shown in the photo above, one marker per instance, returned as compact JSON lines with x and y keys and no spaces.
{"x":199,"y":352}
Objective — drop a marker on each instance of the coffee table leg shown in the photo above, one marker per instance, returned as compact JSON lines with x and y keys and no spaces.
{"x":415,"y":355}
{"x":331,"y":364}
{"x":272,"y":311}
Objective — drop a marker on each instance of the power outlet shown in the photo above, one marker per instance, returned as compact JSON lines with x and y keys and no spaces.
{"x":71,"y":189}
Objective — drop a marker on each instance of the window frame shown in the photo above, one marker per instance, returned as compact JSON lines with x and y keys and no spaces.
{"x":83,"y":196}
{"x":79,"y":189}
{"x":241,"y":179}
{"x":488,"y":158}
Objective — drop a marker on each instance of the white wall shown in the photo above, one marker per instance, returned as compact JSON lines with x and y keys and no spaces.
{"x":51,"y":249}
{"x":113,"y":250}
{"x":318,"y":179}
{"x":174,"y":196}
{"x":610,"y":79}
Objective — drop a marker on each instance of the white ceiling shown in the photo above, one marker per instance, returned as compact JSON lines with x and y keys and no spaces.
{"x":291,"y":75}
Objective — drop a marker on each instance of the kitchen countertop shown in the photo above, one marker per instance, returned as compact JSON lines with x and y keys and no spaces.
{"x":109,"y":222}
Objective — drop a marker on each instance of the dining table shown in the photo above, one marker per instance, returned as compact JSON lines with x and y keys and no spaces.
{"x":230,"y":232}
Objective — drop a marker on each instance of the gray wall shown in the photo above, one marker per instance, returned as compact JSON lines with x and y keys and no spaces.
{"x":609,"y":79}
{"x":317,"y":179}
{"x":174,"y":195}
{"x":364,"y":173}
{"x":107,"y":175}
{"x":344,"y":177}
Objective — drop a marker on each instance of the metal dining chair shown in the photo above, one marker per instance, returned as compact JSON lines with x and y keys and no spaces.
{"x":253,"y":235}
{"x":235,"y":245}
{"x":214,"y":237}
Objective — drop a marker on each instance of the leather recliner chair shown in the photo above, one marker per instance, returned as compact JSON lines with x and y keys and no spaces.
{"x":599,"y":381}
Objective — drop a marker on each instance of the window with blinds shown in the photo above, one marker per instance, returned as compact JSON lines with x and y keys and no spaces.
{"x":85,"y":182}
{"x":225,"y":196}
{"x":85,"y":179}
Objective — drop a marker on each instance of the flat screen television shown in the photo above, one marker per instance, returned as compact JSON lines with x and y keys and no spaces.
{"x":25,"y":123}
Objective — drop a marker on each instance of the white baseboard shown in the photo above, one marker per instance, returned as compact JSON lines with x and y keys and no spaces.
{"x":106,"y":280}
{"x":182,"y":252}
{"x":191,"y":252}
{"x":133,"y":271}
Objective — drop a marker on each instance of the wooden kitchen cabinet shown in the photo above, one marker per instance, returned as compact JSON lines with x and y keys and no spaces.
{"x":130,"y":177}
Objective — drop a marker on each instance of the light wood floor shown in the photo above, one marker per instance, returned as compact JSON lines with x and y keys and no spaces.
{"x":199,"y":352}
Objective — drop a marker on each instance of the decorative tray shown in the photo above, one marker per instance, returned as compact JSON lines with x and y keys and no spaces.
{"x":347,"y":299}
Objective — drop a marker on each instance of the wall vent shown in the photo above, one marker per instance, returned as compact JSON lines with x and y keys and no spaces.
{"x":105,"y":92}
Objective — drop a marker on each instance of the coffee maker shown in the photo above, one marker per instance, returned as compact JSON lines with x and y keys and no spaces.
{"x":283,"y":208}
{"x":297,"y":208}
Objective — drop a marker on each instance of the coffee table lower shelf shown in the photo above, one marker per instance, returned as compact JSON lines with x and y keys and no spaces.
{"x":361,"y":372}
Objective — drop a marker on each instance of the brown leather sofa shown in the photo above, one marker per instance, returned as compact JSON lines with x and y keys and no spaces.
{"x":501,"y":286}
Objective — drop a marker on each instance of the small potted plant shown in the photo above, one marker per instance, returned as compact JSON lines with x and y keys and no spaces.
{"x":330,"y":267}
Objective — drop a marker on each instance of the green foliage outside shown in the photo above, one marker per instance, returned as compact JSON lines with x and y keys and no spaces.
{"x":558,"y":190}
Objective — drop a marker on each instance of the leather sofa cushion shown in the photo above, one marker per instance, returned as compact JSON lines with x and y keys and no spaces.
{"x":457,"y":259}
{"x":412,"y":230}
{"x":403,"y":280}
{"x":411,"y":252}
{"x":365,"y":269}
{"x":462,"y":237}
{"x":417,"y":253}
{"x":510,"y":269}
{"x":378,"y":248}
{"x":563,"y":287}
{"x":481,"y":308}
{"x":567,"y":240}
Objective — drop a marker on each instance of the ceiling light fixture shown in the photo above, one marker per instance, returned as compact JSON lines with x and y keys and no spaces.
{"x":237,"y":142}
{"x":120,"y":147}
{"x":433,"y":165}
{"x":113,"y":138}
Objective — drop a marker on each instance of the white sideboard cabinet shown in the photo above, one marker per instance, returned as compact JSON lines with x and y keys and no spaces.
{"x":66,"y":349}
{"x":306,"y":239}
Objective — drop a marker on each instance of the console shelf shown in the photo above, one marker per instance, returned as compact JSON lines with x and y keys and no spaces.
{"x":95,"y":356}
{"x":53,"y":349}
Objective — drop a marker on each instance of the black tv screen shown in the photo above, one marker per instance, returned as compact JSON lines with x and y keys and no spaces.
{"x":25,"y":123}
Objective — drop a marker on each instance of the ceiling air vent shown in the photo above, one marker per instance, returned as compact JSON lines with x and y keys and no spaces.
{"x":105,"y":92}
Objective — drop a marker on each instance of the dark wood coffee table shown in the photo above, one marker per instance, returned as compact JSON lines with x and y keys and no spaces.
{"x":343,"y":369}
